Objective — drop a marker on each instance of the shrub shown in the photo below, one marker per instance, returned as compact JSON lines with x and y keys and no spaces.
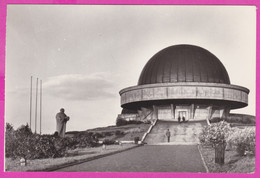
{"x":10,"y":142}
{"x":243,"y":140}
{"x":23,"y":143}
{"x":215,"y":133}
{"x":136,"y":139}
{"x":119,"y":133}
{"x":97,"y":135}
{"x":121,"y":122}
{"x":85,"y":140}
{"x":9,"y":127}
{"x":107,"y":134}
{"x":108,"y":142}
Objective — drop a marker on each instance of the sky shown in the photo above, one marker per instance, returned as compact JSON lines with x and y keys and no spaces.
{"x":85,"y":54}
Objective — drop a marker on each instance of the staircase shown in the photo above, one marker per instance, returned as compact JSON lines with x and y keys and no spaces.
{"x":181,"y":133}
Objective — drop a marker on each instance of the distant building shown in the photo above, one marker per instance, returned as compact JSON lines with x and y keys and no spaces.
{"x":182,"y":81}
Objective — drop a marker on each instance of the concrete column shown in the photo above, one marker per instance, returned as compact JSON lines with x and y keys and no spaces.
{"x":227,"y":110}
{"x":192,"y":111}
{"x":173,"y":111}
{"x":221,"y":113}
{"x":155,"y":113}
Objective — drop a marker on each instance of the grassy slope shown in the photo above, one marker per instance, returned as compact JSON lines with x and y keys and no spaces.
{"x":130,"y":131}
{"x":233,"y":162}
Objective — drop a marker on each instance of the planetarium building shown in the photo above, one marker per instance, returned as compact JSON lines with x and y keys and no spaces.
{"x":182,"y":81}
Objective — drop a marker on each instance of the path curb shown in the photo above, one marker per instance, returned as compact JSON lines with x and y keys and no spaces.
{"x":82,"y":161}
{"x":204,"y":163}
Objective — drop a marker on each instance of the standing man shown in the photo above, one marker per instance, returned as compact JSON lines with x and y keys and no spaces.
{"x":61,"y":120}
{"x":168,"y":134}
{"x":179,"y":119}
{"x":183,"y":118}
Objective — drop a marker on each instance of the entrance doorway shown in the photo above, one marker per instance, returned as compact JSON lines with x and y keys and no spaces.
{"x":182,"y":115}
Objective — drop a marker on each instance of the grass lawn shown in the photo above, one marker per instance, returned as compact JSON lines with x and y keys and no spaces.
{"x":233,"y":162}
{"x":72,"y":156}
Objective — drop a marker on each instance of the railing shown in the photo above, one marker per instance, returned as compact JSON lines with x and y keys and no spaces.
{"x":147,"y":115}
{"x":149,"y":130}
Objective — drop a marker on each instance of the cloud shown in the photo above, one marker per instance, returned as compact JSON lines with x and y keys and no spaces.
{"x":80,"y":87}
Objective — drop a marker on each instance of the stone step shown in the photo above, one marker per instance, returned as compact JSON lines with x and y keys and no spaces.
{"x":180,"y":133}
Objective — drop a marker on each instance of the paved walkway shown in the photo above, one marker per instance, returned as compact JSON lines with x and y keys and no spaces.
{"x":148,"y":158}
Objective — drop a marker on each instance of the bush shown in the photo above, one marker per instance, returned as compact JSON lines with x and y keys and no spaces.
{"x":10,"y":143}
{"x":108,"y":142}
{"x":9,"y":127}
{"x":121,"y":122}
{"x":136,"y":139}
{"x":85,"y":140}
{"x":97,"y":135}
{"x":23,"y":143}
{"x":215,"y":133}
{"x":243,"y":140}
{"x":107,"y":134}
{"x":119,"y":133}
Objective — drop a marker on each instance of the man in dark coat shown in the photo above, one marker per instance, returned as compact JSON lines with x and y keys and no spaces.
{"x":168,"y":135}
{"x":183,"y":118}
{"x":61,"y":120}
{"x":179,"y":119}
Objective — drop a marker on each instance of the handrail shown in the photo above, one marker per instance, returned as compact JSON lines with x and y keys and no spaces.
{"x":147,"y":115}
{"x":149,"y":130}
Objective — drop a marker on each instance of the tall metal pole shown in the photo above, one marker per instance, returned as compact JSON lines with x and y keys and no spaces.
{"x":40,"y":107}
{"x":36,"y":106}
{"x":31,"y":105}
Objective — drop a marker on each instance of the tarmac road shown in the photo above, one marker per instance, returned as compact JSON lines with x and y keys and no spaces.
{"x":148,"y":158}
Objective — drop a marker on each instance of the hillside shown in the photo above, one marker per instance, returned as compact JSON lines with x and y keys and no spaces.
{"x":119,"y":133}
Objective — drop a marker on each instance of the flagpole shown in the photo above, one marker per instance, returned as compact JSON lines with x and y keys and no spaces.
{"x":36,"y":106}
{"x":31,"y":105}
{"x":40,"y":107}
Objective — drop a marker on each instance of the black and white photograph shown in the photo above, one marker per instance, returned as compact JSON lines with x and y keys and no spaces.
{"x":130,"y":88}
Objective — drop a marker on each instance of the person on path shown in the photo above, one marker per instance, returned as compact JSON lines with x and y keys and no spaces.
{"x":61,"y":120}
{"x":168,"y":135}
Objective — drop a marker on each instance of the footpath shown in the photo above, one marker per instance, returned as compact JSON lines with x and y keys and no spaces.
{"x":148,"y":158}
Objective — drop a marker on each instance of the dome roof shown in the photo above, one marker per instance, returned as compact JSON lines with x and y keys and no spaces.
{"x":183,"y":63}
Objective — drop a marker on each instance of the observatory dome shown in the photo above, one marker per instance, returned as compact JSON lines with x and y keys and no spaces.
{"x":183,"y":63}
